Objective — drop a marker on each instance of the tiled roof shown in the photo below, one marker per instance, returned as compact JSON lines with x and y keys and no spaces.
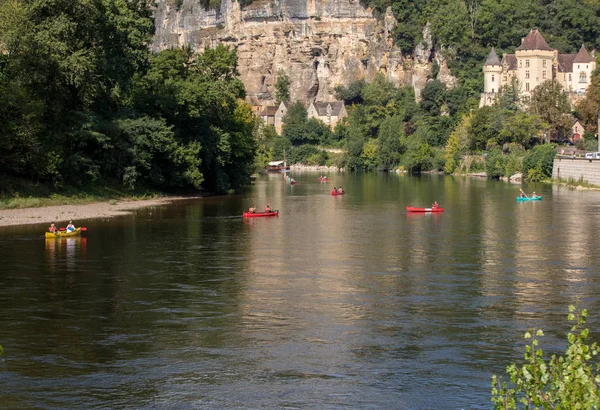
{"x":510,"y":61}
{"x":268,"y":111}
{"x":323,"y":111}
{"x":534,"y":41}
{"x":492,"y":58}
{"x":565,"y":63}
{"x":583,"y":56}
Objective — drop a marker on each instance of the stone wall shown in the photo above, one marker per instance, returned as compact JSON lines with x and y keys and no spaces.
{"x":577,"y":168}
{"x":318,"y":43}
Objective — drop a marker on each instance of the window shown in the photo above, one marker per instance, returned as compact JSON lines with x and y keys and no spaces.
{"x":526,"y":86}
{"x":520,"y":63}
{"x":526,"y":74}
{"x":526,"y":63}
{"x":570,"y":77}
{"x":586,"y":66}
{"x":582,"y":77}
{"x":543,"y":63}
{"x":505,"y":79}
{"x":544,"y":75}
{"x":493,"y":91}
{"x":578,"y":66}
{"x":493,"y":79}
{"x":565,"y":77}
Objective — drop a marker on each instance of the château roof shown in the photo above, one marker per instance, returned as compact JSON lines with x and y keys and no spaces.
{"x":583,"y":56}
{"x":510,"y":61}
{"x":565,"y":63}
{"x":534,"y":41}
{"x":492,"y":58}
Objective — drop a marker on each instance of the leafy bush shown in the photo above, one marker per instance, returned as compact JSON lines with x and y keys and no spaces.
{"x":495,"y":164}
{"x":300,"y":155}
{"x":513,"y":164}
{"x":541,"y":160}
{"x":570,"y":381}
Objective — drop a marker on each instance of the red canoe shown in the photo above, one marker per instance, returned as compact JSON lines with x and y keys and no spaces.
{"x":257,"y":214}
{"x":323,"y":179}
{"x":413,"y":209}
{"x":337,"y":193}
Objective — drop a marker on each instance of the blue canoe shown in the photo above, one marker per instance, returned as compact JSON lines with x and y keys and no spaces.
{"x":531,"y":198}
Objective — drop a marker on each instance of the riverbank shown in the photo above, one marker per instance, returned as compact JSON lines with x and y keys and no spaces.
{"x":317,"y":168}
{"x":62,"y":214}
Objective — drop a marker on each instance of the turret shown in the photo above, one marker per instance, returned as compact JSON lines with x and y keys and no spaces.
{"x":492,"y":70}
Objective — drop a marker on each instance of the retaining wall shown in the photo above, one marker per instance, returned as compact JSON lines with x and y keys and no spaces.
{"x":577,"y":168}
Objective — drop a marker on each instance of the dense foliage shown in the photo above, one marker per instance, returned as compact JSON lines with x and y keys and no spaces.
{"x":571,"y":381}
{"x":83,"y":101}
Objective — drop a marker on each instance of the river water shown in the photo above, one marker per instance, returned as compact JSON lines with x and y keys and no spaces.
{"x":340,"y":302}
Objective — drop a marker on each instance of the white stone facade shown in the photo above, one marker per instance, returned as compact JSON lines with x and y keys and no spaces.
{"x":533,"y":63}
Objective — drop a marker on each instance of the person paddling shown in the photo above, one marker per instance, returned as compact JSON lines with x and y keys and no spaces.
{"x":52,"y":229}
{"x":268,"y":208}
{"x":435,"y":205}
{"x":70,"y":227}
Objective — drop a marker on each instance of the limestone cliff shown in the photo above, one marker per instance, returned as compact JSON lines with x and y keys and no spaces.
{"x":318,"y":43}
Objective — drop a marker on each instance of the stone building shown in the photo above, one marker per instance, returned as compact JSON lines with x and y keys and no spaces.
{"x":267,"y":114}
{"x":280,"y":114}
{"x":534,"y":62}
{"x":328,"y":112}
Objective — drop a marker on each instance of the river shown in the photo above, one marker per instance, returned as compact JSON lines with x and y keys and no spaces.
{"x":340,"y":302}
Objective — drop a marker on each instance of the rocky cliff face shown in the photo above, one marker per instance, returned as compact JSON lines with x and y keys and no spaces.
{"x":318,"y":43}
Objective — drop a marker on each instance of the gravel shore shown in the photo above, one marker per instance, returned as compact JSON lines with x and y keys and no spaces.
{"x":63,"y":213}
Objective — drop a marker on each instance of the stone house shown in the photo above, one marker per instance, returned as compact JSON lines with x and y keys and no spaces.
{"x":577,"y":131}
{"x":534,"y":62}
{"x":329,"y":112}
{"x":281,"y":112}
{"x":268,"y":114}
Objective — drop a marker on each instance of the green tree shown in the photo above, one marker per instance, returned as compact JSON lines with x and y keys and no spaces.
{"x":282,"y":87}
{"x":567,"y":381}
{"x":294,"y":124}
{"x":389,"y":149}
{"x":551,"y":104}
{"x":538,"y":163}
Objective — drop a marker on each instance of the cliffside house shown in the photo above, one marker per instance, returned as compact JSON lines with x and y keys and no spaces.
{"x":268,"y":114}
{"x":534,"y":62}
{"x":328,"y":112}
{"x":282,"y":110}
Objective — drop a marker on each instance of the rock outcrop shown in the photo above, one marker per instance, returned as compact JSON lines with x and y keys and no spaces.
{"x":318,"y":43}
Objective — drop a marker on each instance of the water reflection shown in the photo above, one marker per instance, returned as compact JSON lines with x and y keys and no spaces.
{"x":339,"y":301}
{"x":67,"y":250}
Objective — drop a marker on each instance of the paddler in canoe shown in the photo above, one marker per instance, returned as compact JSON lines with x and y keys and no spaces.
{"x":252,"y":209}
{"x":268,"y":208}
{"x":340,"y":190}
{"x":435,"y":205}
{"x":70,"y":227}
{"x":52,"y":229}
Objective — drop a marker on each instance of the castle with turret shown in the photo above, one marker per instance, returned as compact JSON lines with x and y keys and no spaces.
{"x":534,"y":62}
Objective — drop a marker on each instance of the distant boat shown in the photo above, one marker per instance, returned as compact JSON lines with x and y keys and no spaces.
{"x":278,"y":166}
{"x":415,"y":209}
{"x":531,"y":198}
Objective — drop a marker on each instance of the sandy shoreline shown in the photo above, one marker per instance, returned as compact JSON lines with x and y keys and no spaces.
{"x":61,"y":214}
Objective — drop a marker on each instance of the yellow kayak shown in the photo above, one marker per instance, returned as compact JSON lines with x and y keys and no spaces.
{"x":63,"y":234}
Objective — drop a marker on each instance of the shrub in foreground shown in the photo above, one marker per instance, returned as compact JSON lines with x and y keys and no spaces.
{"x":571,"y":381}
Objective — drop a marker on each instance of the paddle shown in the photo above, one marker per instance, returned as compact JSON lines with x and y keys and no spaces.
{"x":523,"y":193}
{"x":83,"y":228}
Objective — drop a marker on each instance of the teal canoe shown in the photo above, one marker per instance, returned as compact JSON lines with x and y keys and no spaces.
{"x":531,"y":198}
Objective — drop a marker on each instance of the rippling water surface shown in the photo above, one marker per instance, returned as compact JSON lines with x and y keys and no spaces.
{"x":341,"y":301}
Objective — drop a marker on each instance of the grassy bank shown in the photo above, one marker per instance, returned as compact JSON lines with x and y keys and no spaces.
{"x":19,"y":194}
